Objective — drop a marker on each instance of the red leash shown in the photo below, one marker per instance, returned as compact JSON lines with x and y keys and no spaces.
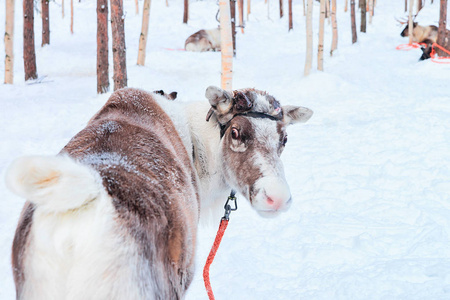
{"x":439,"y":60}
{"x":223,"y":225}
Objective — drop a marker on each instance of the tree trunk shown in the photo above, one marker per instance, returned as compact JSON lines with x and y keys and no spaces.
{"x":304,"y":8}
{"x":226,"y":45}
{"x":186,"y":11}
{"x":321,"y":35}
{"x":29,"y":54}
{"x":410,"y":24}
{"x":71,"y":16}
{"x":334,"y":41}
{"x":241,"y":14}
{"x":102,"y":47}
{"x":443,"y":38}
{"x":353,"y":20}
{"x":136,"y":2}
{"x":45,"y":23}
{"x":346,"y":5}
{"x":118,"y":44}
{"x":309,"y":38}
{"x":327,"y":10}
{"x":62,"y":8}
{"x":363,"y":15}
{"x":233,"y":23}
{"x":370,"y":11}
{"x":291,"y":26}
{"x":419,"y":5}
{"x":248,"y":8}
{"x":9,"y":42}
{"x":144,"y":33}
{"x":406,"y":5}
{"x":281,"y":9}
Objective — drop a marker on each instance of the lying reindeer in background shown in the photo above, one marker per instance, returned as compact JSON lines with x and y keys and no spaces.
{"x":204,"y":40}
{"x":422,"y":35}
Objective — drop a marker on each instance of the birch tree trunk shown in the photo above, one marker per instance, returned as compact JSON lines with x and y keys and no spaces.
{"x":233,"y":24}
{"x":443,"y":38}
{"x":281,"y":9}
{"x":309,"y":38}
{"x":136,"y":2}
{"x":248,"y":8}
{"x":353,"y":20}
{"x":102,"y":47}
{"x":370,"y":11}
{"x":45,"y":23}
{"x":71,"y":16}
{"x":304,"y":9}
{"x":186,"y":11}
{"x":9,"y":42}
{"x":241,"y":14}
{"x":226,"y":45}
{"x":419,"y":5}
{"x":62,"y":8}
{"x":321,"y":35}
{"x":291,"y":26}
{"x":410,"y":24}
{"x":118,"y":44}
{"x":334,"y":41}
{"x":144,"y":33}
{"x":363,"y":15}
{"x":346,"y":6}
{"x":406,"y":5}
{"x":29,"y":54}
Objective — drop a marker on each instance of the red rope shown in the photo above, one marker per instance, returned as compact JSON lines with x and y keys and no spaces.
{"x":439,"y":60}
{"x":409,"y":46}
{"x":212,"y":253}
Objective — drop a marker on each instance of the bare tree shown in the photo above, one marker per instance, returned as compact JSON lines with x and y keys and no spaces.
{"x":186,"y":11}
{"x":353,"y":20}
{"x":29,"y":54}
{"x":443,"y":34}
{"x":334,"y":41}
{"x":370,"y":11}
{"x":233,"y":24}
{"x":241,"y":14}
{"x":419,"y":5}
{"x":291,"y":26}
{"x":102,"y":47}
{"x":226,"y":44}
{"x":346,"y":5}
{"x":118,"y":44}
{"x":281,"y":9}
{"x":144,"y":33}
{"x":136,"y":3}
{"x":309,"y":40}
{"x":248,"y":8}
{"x":45,"y":23}
{"x":62,"y":8}
{"x":71,"y":16}
{"x":363,"y":15}
{"x":410,"y":24}
{"x":321,"y":35}
{"x":9,"y":42}
{"x":304,"y":10}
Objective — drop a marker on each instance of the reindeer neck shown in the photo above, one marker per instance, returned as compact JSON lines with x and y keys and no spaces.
{"x":205,"y":149}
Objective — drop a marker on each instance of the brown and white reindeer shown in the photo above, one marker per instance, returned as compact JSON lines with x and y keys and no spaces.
{"x":114,"y":215}
{"x":203,"y":40}
{"x":422,"y":35}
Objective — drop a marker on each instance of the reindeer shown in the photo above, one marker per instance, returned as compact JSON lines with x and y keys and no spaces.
{"x":203,"y":40}
{"x":422,"y":35}
{"x":114,"y":215}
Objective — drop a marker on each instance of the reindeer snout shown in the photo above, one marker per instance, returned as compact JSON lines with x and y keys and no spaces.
{"x":273,"y":196}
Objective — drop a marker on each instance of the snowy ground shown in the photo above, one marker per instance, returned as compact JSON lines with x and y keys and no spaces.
{"x":369,"y":173}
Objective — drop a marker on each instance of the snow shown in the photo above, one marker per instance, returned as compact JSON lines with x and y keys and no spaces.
{"x":369,"y":173}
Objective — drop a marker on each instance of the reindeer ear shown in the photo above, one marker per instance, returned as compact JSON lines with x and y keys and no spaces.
{"x":296,"y":114}
{"x":220,"y":100}
{"x":173,"y":95}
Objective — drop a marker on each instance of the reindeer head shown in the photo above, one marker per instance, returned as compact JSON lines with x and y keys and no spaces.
{"x":253,"y":136}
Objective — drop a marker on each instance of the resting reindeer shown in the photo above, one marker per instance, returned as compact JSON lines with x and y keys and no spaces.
{"x":115,"y":214}
{"x":422,"y":34}
{"x":203,"y":40}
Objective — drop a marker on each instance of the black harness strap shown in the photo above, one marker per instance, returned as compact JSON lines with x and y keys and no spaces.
{"x":224,"y":127}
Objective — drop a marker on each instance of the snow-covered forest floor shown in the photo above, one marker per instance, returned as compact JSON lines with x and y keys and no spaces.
{"x":369,"y":173}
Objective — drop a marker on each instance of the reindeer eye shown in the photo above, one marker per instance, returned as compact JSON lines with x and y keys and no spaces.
{"x":235,"y":133}
{"x":284,"y":141}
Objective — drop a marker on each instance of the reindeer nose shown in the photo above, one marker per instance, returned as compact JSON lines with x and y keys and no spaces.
{"x":278,"y":196}
{"x":276,"y":203}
